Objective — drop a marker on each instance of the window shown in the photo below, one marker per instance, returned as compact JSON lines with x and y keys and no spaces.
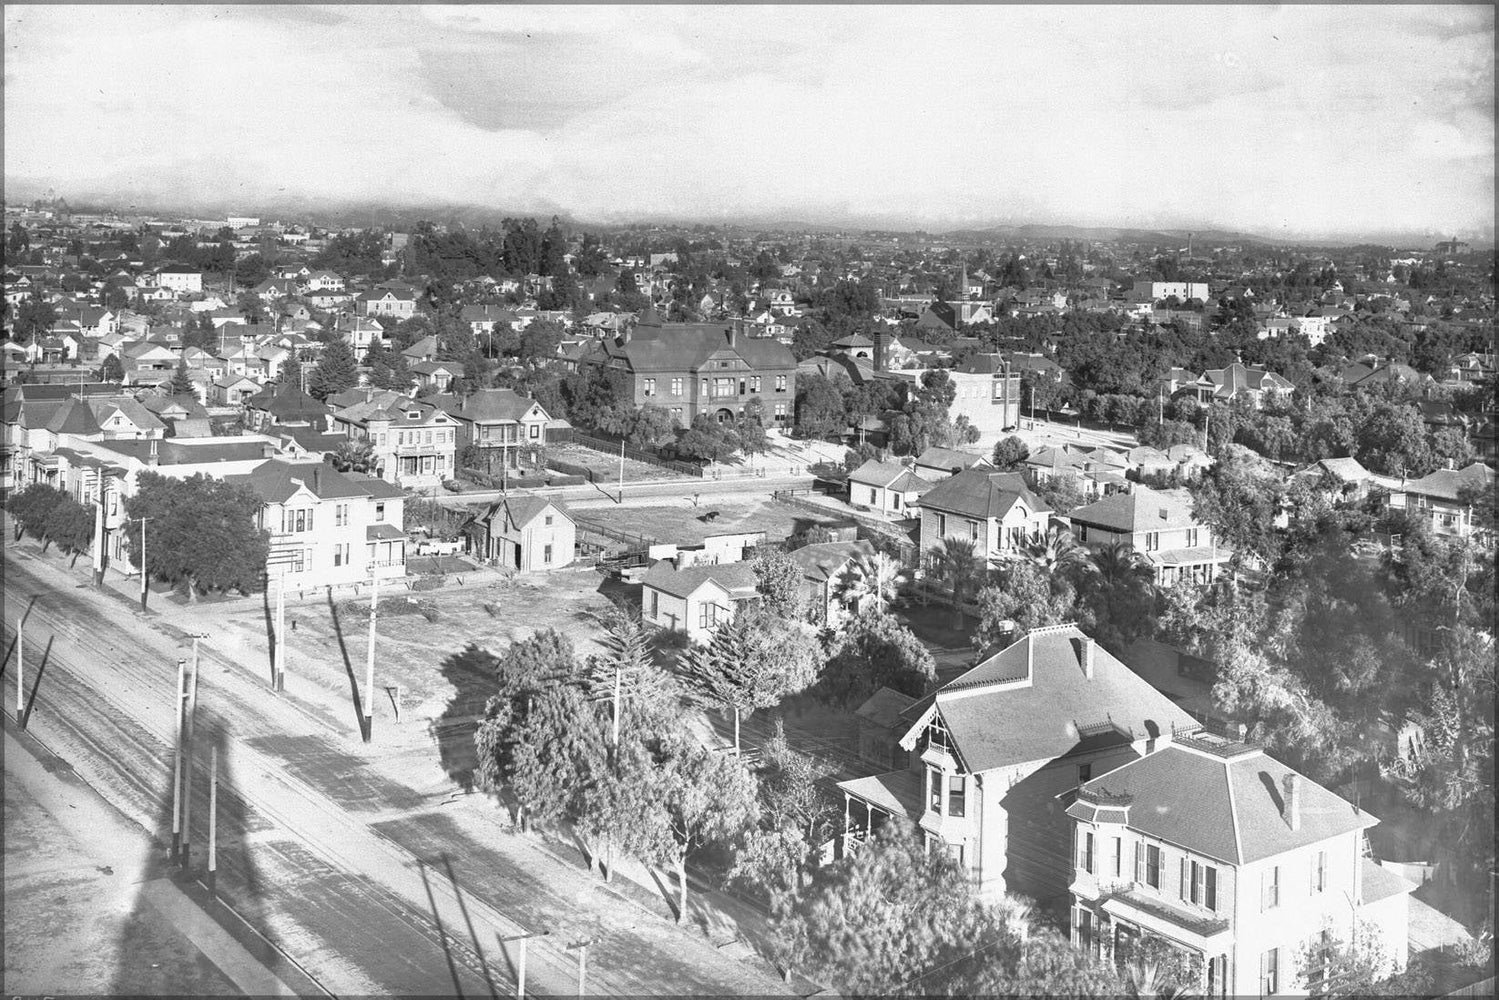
{"x":1270,"y":972}
{"x":754,"y":383}
{"x":780,"y":383}
{"x":546,"y":554}
{"x":1191,"y":538}
{"x":1199,"y":884}
{"x":379,"y":511}
{"x":303,"y":521}
{"x":1270,"y":888}
{"x":956,"y":793}
{"x":707,"y":615}
{"x":535,"y":431}
{"x":1148,"y":865}
{"x":655,"y":604}
{"x":780,"y":411}
{"x":1082,"y":930}
{"x":1319,"y":871}
{"x":547,"y":520}
{"x":676,"y":387}
{"x":973,"y":531}
{"x":1085,"y":853}
{"x":934,"y":789}
{"x":1082,"y":532}
{"x":704,"y":391}
{"x":941,"y":525}
{"x":1152,"y":541}
{"x":1084,"y":773}
{"x":1118,"y":857}
{"x":650,"y":387}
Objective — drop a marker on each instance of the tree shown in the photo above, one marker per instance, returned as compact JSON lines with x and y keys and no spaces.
{"x":869,"y":578}
{"x":708,"y":440}
{"x":539,"y":342}
{"x":706,"y":798}
{"x":819,"y":407}
{"x":652,"y":427}
{"x":779,"y":580}
{"x":1392,"y":440}
{"x":873,"y":651}
{"x":1026,"y":597}
{"x":751,"y":662}
{"x":750,"y":428}
{"x":1121,"y":590}
{"x":956,"y":562}
{"x":250,"y":307}
{"x":112,"y":370}
{"x":873,"y":923}
{"x":1009,"y":453}
{"x":797,"y":815}
{"x":335,"y":371}
{"x":182,"y":382}
{"x":291,"y":370}
{"x":353,"y":455}
{"x":71,"y":525}
{"x":35,"y":318}
{"x":1062,"y":493}
{"x":203,"y":533}
{"x":1338,"y":963}
{"x":30,"y":507}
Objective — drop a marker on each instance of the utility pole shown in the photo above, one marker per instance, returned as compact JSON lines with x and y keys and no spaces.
{"x":520,"y":964}
{"x":278,"y":682}
{"x":99,"y":531}
{"x":213,"y":820}
{"x":369,"y":661}
{"x":187,"y":760}
{"x":621,"y":472}
{"x":145,"y":577}
{"x":615,"y":732}
{"x":20,"y":666}
{"x":177,"y":764}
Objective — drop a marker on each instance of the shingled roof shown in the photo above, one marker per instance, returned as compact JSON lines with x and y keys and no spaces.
{"x":983,"y":494}
{"x":1224,"y":800}
{"x":1034,"y":700}
{"x":1141,"y":509}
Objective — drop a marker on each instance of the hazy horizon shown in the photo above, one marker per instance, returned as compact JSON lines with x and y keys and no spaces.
{"x":1298,"y":123}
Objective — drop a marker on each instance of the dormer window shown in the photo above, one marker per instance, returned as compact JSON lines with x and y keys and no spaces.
{"x":413,"y":415}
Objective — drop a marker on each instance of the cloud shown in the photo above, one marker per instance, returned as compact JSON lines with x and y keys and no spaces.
{"x":1308,"y":118}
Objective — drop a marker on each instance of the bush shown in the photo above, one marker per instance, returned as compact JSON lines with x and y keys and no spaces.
{"x":429,"y":582}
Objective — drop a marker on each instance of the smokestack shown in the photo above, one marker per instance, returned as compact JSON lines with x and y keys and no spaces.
{"x":733,"y":332}
{"x":1291,"y":784}
{"x":881,"y":347}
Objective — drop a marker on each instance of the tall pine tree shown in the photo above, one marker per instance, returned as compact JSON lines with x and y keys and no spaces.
{"x":335,"y":371}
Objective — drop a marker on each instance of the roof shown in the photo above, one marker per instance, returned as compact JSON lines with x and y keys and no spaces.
{"x":1381,"y":883}
{"x":382,"y":532}
{"x":897,"y":792}
{"x":74,"y":416}
{"x":287,"y":402}
{"x":983,"y":494}
{"x":1141,"y":509}
{"x":1445,"y":484}
{"x":376,"y":487}
{"x":949,"y":459}
{"x":278,"y":480}
{"x":520,"y":509}
{"x":174,"y":451}
{"x":822,"y":561}
{"x":673,"y":347}
{"x":873,"y":473}
{"x":737,"y":579}
{"x":883,"y":708}
{"x":486,"y":405}
{"x":1032,"y":701}
{"x":1224,"y":800}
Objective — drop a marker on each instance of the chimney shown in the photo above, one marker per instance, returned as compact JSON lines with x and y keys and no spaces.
{"x":1291,"y":785}
{"x":1085,"y":654}
{"x":881,"y":346}
{"x":153,"y":458}
{"x":733,"y":330}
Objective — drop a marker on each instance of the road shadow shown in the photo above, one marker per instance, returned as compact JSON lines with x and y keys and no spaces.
{"x":272,"y":639}
{"x":10,"y":649}
{"x":154,"y":957}
{"x":343,"y":649}
{"x":472,"y":672}
{"x":442,"y":934}
{"x":36,"y":684}
{"x":473,"y":935}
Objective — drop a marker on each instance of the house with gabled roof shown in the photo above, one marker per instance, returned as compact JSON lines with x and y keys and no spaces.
{"x":283,"y":405}
{"x":939,"y":463}
{"x":1157,"y":525}
{"x":696,"y":599}
{"x":996,"y":511}
{"x":436,"y":375}
{"x":824,"y":566}
{"x":327,"y":528}
{"x":1250,"y":381}
{"x":991,"y":750}
{"x":415,"y":442}
{"x":498,"y":422}
{"x":525,"y":533}
{"x":1439,"y":496}
{"x":1241,"y":865}
{"x":388,"y":300}
{"x":887,"y":487}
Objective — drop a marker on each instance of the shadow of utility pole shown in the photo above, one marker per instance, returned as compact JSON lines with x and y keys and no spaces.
{"x":348,"y":666}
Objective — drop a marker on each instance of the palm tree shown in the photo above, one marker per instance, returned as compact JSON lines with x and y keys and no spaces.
{"x":865,"y":576}
{"x":1055,"y":550}
{"x":1118,"y":564}
{"x":957,"y":563}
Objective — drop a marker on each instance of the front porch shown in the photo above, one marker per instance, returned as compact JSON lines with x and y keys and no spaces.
{"x":869,"y":803}
{"x":1126,"y":926}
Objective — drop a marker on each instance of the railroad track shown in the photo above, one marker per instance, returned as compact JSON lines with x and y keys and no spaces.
{"x":108,"y":708}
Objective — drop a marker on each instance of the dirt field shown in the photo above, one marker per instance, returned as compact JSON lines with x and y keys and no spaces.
{"x":607,"y":466}
{"x":687,"y":525}
{"x":418,"y":654}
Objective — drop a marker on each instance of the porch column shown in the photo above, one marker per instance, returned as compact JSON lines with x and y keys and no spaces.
{"x":843,"y":840}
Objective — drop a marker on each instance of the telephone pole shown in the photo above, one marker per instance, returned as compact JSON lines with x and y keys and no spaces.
{"x":99,"y":531}
{"x":145,"y":577}
{"x":369,"y":661}
{"x":278,"y":682}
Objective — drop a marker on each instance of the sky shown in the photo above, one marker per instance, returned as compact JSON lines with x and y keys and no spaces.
{"x":1300,"y":121}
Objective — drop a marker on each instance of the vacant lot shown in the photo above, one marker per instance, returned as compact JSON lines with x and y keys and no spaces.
{"x":606,"y":467}
{"x":688,"y":525}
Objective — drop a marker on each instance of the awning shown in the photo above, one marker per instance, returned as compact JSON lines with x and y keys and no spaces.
{"x":383,"y":533}
{"x":897,"y":792}
{"x":1205,"y":933}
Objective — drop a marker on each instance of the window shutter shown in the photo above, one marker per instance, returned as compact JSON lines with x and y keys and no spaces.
{"x":1139,"y":862}
{"x":1185,"y":891}
{"x":1211,"y":888}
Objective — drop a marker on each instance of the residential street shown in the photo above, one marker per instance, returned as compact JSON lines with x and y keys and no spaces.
{"x":372,"y":885}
